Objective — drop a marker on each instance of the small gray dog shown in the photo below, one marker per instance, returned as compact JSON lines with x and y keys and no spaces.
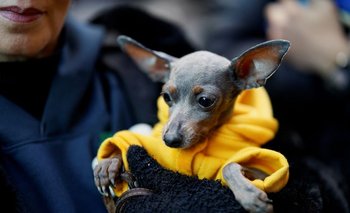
{"x":200,"y":89}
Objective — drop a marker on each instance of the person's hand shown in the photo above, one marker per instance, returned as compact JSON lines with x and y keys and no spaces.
{"x":314,"y":31}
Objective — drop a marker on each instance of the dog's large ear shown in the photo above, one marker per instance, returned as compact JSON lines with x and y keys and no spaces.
{"x":253,"y":67}
{"x":156,"y":64}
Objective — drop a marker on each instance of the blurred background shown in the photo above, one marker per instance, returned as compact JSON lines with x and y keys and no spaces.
{"x":186,"y":14}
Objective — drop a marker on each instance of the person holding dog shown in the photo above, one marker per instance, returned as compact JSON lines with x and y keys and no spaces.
{"x":58,"y":98}
{"x":53,"y":106}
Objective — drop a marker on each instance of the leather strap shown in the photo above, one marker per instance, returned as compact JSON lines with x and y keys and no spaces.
{"x":134,"y":191}
{"x":131,"y":193}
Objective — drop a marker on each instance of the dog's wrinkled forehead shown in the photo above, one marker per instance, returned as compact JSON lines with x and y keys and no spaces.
{"x":199,"y":65}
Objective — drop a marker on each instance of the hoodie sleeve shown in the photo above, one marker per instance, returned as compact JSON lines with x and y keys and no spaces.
{"x":273,"y":163}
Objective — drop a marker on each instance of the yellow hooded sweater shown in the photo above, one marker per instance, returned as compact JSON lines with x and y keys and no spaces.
{"x":239,"y":140}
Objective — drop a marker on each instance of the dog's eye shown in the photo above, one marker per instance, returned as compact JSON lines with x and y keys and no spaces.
{"x":166,"y":97}
{"x":205,"y":102}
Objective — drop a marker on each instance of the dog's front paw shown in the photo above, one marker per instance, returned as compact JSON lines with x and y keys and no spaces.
{"x":254,"y":200}
{"x":106,"y":173}
{"x":249,"y":196}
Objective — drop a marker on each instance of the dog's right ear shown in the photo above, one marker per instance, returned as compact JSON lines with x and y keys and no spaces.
{"x":157,"y":65}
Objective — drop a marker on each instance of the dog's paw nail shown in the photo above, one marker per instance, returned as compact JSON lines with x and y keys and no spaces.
{"x":104,"y":191}
{"x":111,"y":191}
{"x":100,"y":190}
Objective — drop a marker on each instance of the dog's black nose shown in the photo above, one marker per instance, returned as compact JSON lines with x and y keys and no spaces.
{"x":173,"y":140}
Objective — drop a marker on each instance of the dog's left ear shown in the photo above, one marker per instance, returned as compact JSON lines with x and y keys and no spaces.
{"x":253,"y":67}
{"x":157,"y":65}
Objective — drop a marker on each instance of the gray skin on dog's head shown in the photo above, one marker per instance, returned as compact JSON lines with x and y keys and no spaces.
{"x":200,"y":88}
{"x":200,"y":95}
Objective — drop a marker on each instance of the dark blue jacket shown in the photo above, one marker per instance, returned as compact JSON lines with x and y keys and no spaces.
{"x":48,"y":161}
